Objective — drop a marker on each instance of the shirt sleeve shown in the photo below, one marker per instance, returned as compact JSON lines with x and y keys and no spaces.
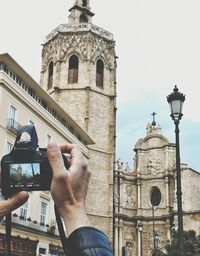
{"x":88,"y":241}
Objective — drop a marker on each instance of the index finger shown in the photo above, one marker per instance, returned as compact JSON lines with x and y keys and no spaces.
{"x":78,"y":161}
{"x":72,"y":149}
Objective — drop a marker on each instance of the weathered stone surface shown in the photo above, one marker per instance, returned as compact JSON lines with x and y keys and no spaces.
{"x":92,"y":107}
{"x":154,"y":167}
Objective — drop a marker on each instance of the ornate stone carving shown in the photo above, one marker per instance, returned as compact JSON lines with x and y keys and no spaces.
{"x":119,"y":164}
{"x":79,"y":27}
{"x":160,"y":241}
{"x":155,"y":164}
{"x":130,"y":233}
{"x":101,"y":48}
{"x":63,"y":45}
{"x":116,"y":198}
{"x":129,"y":237}
{"x":127,"y":168}
{"x":129,"y":197}
{"x":153,"y":129}
{"x":129,"y":249}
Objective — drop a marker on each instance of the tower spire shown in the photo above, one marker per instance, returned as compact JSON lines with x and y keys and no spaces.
{"x":80,"y":12}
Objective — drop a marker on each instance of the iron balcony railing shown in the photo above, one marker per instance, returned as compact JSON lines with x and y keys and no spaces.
{"x":51,"y":230}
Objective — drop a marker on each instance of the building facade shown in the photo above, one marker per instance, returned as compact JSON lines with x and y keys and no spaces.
{"x":23,"y":102}
{"x":145,"y":197}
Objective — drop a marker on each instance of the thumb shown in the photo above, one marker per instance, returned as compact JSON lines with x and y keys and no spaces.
{"x":12,"y":203}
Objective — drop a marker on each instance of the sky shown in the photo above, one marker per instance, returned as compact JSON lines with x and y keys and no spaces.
{"x":158,"y":47}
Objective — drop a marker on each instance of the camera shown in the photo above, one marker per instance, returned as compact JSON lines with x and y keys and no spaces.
{"x":26,"y":167}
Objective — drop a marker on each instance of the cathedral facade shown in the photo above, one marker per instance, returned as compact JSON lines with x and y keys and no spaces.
{"x":145,"y":203}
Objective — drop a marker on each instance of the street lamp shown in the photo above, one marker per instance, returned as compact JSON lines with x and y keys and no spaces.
{"x":175,"y":100}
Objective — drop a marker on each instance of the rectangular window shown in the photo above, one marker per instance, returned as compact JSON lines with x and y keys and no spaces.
{"x":43,"y":212}
{"x":23,"y":211}
{"x":12,"y":116}
{"x":42,"y":251}
{"x":9,"y":147}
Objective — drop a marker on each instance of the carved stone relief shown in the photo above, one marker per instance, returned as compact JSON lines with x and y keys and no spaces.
{"x":155,"y":163}
{"x":129,"y":233}
{"x":160,"y":240}
{"x":116,"y":198}
{"x":129,"y":249}
{"x":127,"y":169}
{"x":129,"y":197}
{"x":120,"y":165}
{"x":79,"y":42}
{"x":129,"y":237}
{"x":102,"y":48}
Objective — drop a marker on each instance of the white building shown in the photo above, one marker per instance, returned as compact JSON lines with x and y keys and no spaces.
{"x":22,"y":102}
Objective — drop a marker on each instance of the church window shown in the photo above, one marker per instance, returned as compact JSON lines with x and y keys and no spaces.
{"x":84,"y":3}
{"x":50,"y":75}
{"x":99,"y":73}
{"x":83,"y":19}
{"x":155,"y":196}
{"x":73,"y":70}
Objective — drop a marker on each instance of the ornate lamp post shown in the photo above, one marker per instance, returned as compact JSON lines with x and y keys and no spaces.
{"x":175,"y":100}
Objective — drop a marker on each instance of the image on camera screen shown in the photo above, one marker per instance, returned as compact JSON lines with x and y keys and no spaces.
{"x":24,"y":175}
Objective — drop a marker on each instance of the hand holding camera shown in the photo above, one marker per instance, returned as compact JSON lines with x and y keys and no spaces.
{"x":69,"y":188}
{"x":26,"y":167}
{"x":30,"y":168}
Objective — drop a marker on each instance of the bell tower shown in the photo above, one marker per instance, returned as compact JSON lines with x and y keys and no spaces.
{"x":80,"y":12}
{"x":79,"y":72}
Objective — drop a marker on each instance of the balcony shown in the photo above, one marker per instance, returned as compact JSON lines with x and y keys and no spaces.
{"x":34,"y":226}
{"x":12,"y":125}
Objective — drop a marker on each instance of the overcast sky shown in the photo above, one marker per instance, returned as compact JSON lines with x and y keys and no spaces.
{"x":158,"y":45}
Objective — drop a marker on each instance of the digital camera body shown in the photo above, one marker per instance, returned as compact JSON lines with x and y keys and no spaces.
{"x":26,"y":167}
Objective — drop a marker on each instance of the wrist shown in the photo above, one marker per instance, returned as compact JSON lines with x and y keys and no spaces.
{"x":74,"y":217}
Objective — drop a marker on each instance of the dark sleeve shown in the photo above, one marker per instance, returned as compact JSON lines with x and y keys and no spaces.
{"x":88,"y":241}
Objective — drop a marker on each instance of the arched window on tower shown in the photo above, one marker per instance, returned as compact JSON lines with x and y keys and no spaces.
{"x":73,"y":70}
{"x":99,"y":73}
{"x":84,"y":3}
{"x":50,"y":75}
{"x":83,"y":18}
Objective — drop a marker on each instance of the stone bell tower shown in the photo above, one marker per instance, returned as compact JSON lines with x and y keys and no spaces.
{"x":79,"y":72}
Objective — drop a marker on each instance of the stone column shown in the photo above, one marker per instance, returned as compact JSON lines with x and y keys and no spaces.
{"x":139,"y":194}
{"x":120,"y":237}
{"x":116,"y":245}
{"x":167,"y":191}
{"x":139,"y":231}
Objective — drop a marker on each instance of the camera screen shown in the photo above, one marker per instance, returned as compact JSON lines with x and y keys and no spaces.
{"x":24,"y":175}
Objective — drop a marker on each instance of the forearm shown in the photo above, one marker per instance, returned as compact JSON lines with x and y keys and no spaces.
{"x":74,"y":218}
